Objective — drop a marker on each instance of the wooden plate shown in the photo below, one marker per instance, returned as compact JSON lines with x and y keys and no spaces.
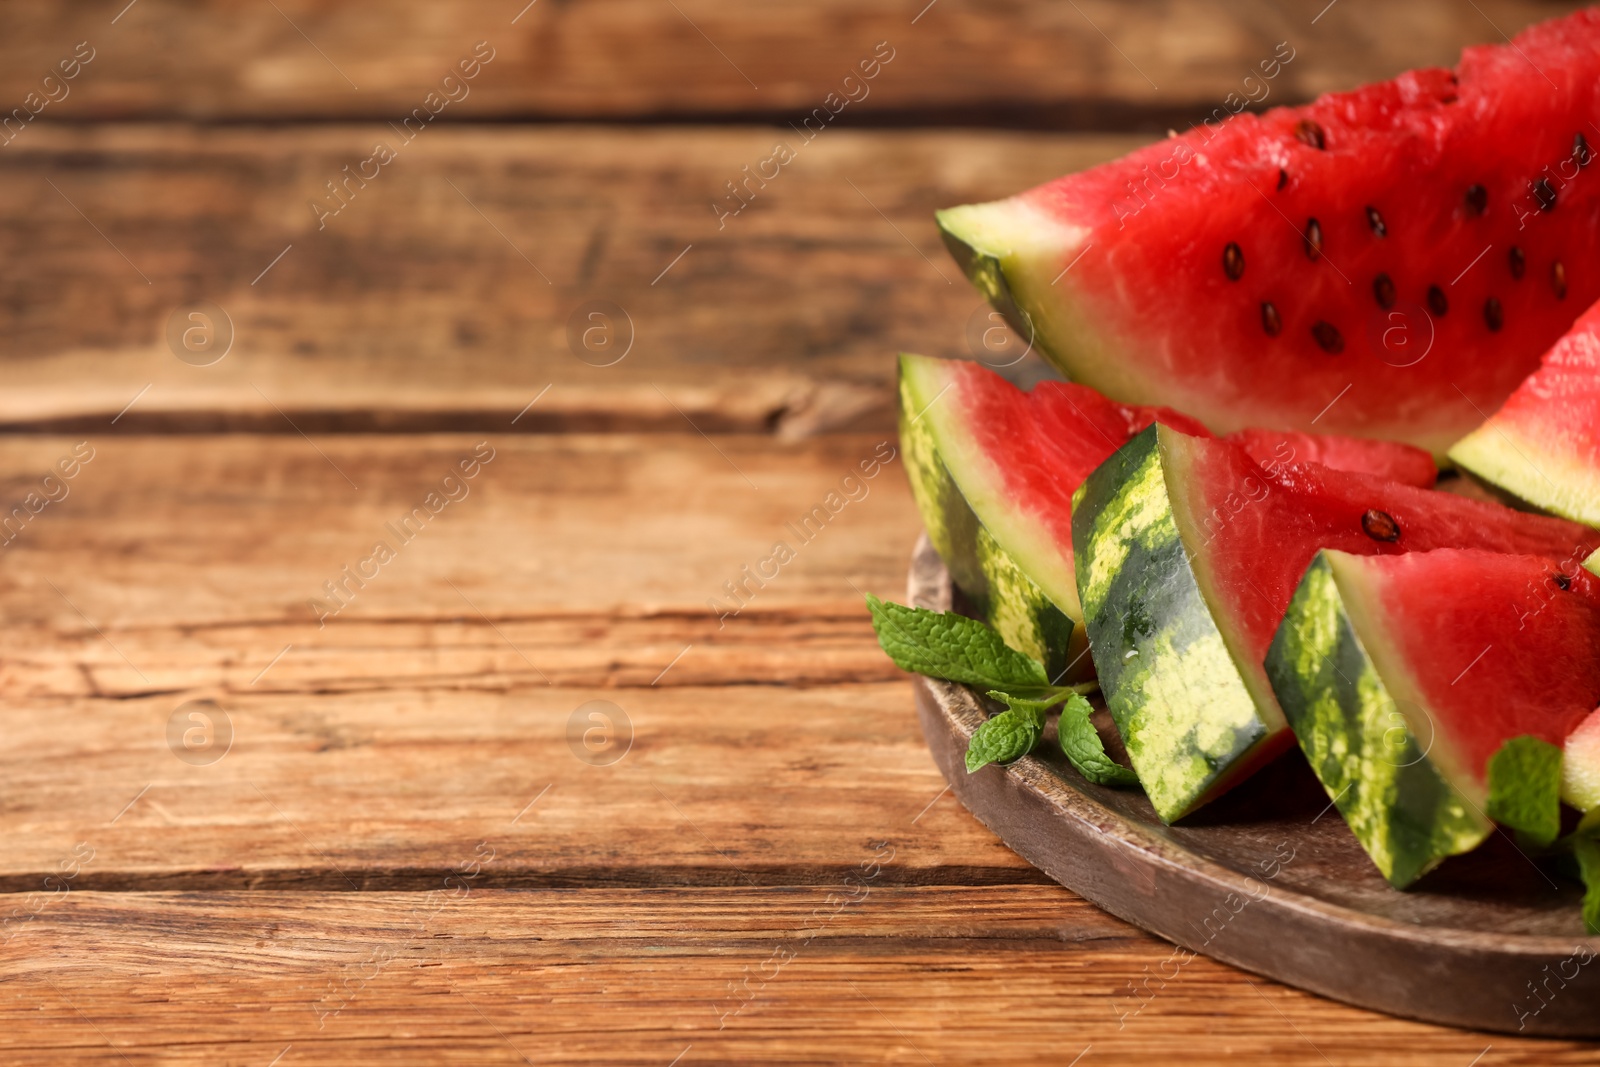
{"x":1269,"y":879}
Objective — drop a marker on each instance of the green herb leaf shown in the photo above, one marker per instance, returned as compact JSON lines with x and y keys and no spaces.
{"x":1587,"y":850}
{"x":1083,"y":747}
{"x":953,"y":647}
{"x":1009,"y":735}
{"x":1525,"y":789}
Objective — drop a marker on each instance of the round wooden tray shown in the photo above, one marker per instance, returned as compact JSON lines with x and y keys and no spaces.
{"x":1268,"y":878}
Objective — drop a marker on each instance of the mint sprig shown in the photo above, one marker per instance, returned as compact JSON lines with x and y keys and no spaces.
{"x":1083,"y":746}
{"x":955,"y":648}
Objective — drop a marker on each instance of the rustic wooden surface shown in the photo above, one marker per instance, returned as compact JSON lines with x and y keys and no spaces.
{"x":407,"y":854}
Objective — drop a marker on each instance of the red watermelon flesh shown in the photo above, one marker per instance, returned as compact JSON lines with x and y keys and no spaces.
{"x":1386,"y":459}
{"x":1543,"y":446}
{"x":1450,"y":630}
{"x":1387,"y":262}
{"x":1257,"y":532}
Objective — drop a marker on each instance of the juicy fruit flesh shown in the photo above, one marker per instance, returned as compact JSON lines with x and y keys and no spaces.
{"x":1387,"y":459}
{"x":1477,"y":637}
{"x":1264,"y":531}
{"x":1324,"y":249}
{"x":1543,"y":445}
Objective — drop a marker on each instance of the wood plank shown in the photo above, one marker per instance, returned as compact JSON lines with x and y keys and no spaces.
{"x":1100,"y":63}
{"x":817,"y":974}
{"x":434,"y":707}
{"x":413,"y":310}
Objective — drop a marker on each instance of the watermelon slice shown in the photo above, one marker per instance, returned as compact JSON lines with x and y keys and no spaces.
{"x":1388,"y":262}
{"x":1187,"y":553}
{"x":1580,"y":771}
{"x":1386,"y":459}
{"x":1544,"y":444}
{"x":1408,"y":678}
{"x":993,"y":470}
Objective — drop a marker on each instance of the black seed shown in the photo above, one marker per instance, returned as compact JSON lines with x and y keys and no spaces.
{"x":1380,"y":526}
{"x":1269,"y":319}
{"x":1477,"y":199}
{"x":1493,"y":316}
{"x":1436,"y":300}
{"x":1580,"y":150}
{"x":1375,"y":220}
{"x":1233,"y":261}
{"x":1283,"y":177}
{"x":1309,"y":133}
{"x":1329,"y":339}
{"x":1383,"y":290}
{"x":1519,"y":263}
{"x":1313,"y":238}
{"x":1545,"y":193}
{"x":1564,"y":580}
{"x":1558,"y":279}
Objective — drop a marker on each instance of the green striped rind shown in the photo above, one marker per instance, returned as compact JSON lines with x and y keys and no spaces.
{"x":1004,"y":596}
{"x":1361,"y":746}
{"x":1176,"y":694}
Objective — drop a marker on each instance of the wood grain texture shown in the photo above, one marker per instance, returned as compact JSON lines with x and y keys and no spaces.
{"x":440,"y":296}
{"x":1096,"y":63}
{"x":865,"y":973}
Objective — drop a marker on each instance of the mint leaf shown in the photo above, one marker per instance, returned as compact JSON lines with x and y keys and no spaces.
{"x":1587,"y":850}
{"x":953,"y":647}
{"x":1011,"y":734}
{"x":1525,"y":789}
{"x":1083,"y":747}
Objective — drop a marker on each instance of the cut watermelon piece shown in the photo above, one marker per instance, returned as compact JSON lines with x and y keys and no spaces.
{"x":1187,"y":553}
{"x":1580,"y":771}
{"x":993,"y":469}
{"x":1543,"y":446}
{"x":1405,"y":678}
{"x":1386,"y":459}
{"x":1388,"y":262}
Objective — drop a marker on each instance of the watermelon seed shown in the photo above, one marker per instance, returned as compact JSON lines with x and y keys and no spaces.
{"x":1580,"y":150}
{"x":1329,"y":339}
{"x":1283,"y":175}
{"x":1269,"y":319}
{"x":1545,"y":193}
{"x":1383,"y":290}
{"x":1309,"y":133}
{"x":1558,"y":279}
{"x":1519,"y":264}
{"x":1313,"y":238}
{"x":1375,"y":220}
{"x":1477,"y":199}
{"x":1493,"y":316}
{"x":1564,"y":580}
{"x":1233,"y":261}
{"x":1380,"y":526}
{"x":1436,"y":300}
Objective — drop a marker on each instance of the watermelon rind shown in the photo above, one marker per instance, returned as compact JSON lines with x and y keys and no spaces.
{"x":1360,"y":728}
{"x":977,"y":535}
{"x":1498,"y":454}
{"x":1580,"y":765}
{"x":1009,"y":250}
{"x":1190,"y":722}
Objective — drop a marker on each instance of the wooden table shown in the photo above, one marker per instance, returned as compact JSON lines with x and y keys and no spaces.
{"x":396,"y":833}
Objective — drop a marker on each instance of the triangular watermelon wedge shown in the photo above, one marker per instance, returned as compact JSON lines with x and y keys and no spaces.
{"x":1388,"y":262}
{"x":1543,"y":446}
{"x":993,"y":469}
{"x":1187,"y":554}
{"x":1407,"y":677}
